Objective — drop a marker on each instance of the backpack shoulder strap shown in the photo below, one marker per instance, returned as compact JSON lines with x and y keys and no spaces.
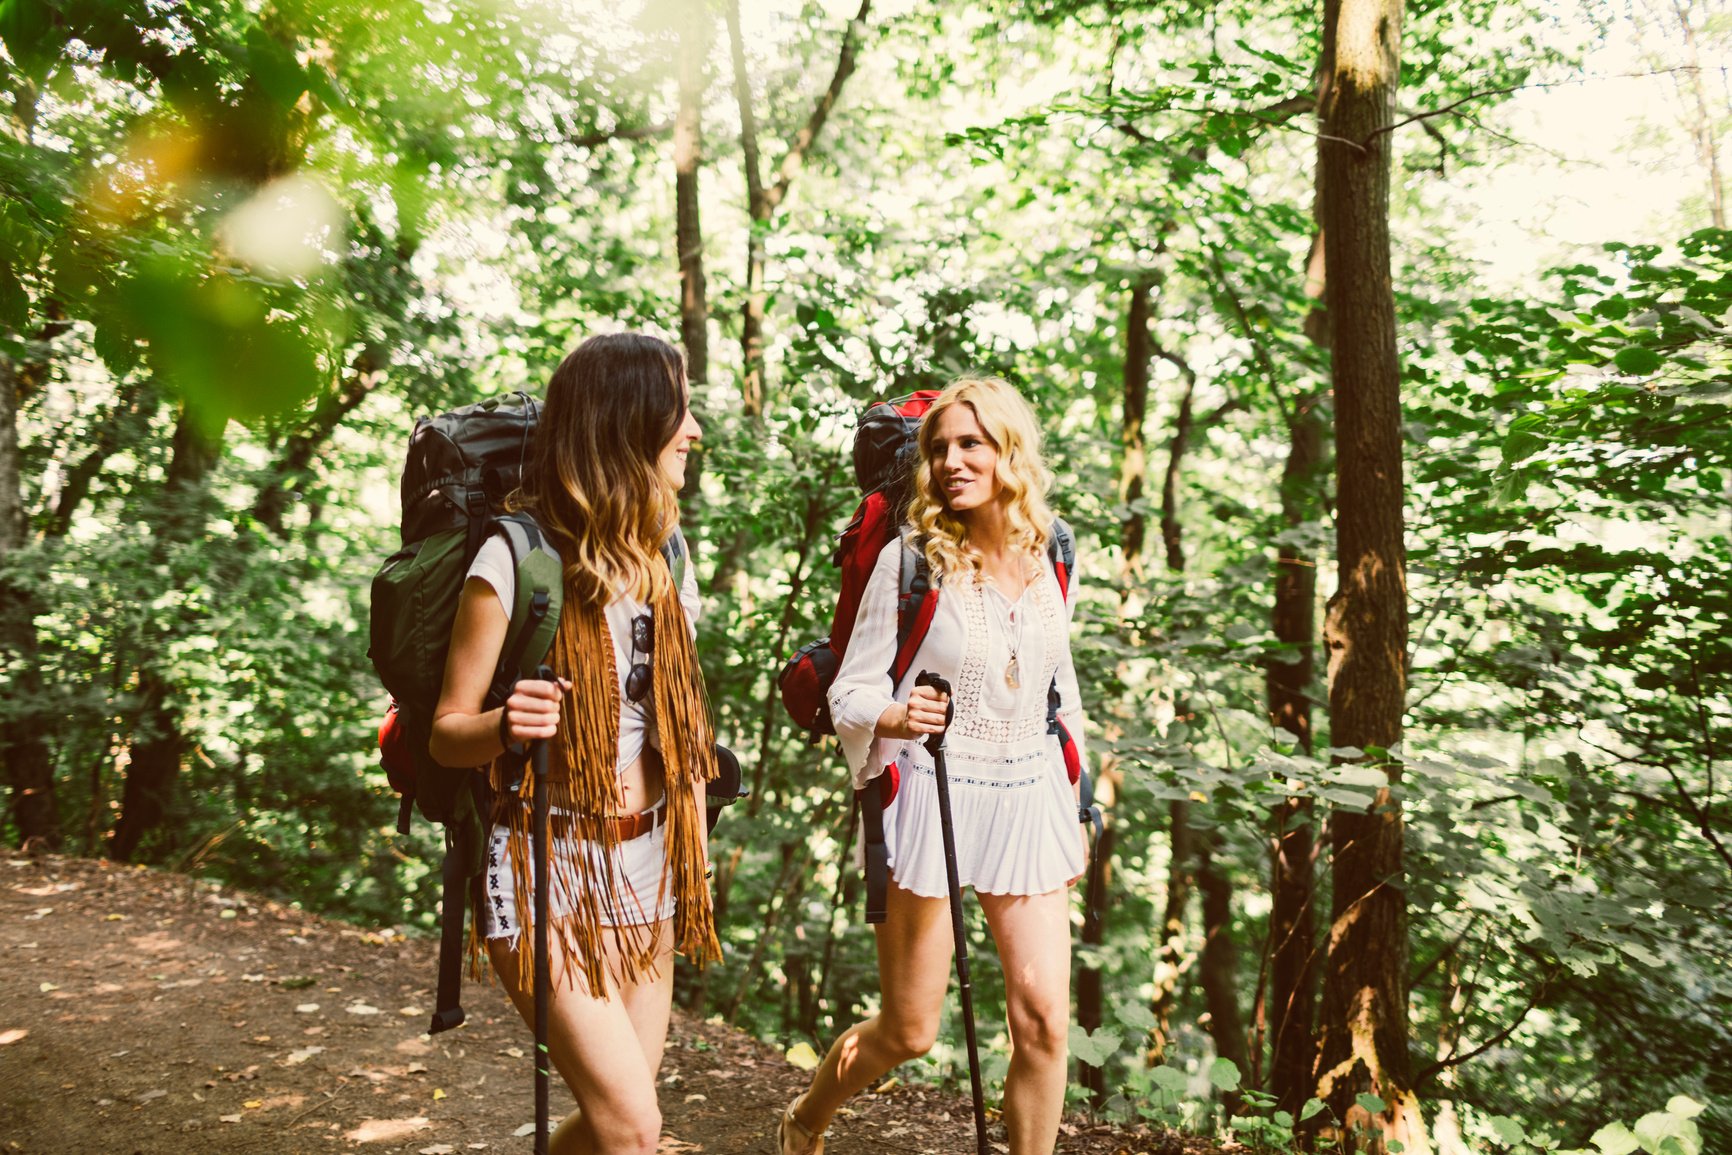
{"x":540,"y":597}
{"x":1061,"y":550}
{"x":916,"y":602}
{"x":675,"y":553}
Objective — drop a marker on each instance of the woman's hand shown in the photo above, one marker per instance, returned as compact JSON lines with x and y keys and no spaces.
{"x":532,"y":711}
{"x":923,"y":714}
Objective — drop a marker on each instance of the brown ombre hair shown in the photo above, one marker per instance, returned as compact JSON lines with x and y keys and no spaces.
{"x":594,"y":480}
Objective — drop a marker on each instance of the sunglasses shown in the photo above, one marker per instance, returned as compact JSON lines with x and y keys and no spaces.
{"x":643,"y":641}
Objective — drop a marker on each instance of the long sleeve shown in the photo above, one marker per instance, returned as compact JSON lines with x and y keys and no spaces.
{"x":1070,"y":710}
{"x":862,"y":690}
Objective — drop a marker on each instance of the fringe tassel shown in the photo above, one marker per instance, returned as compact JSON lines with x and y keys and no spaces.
{"x":583,"y":781}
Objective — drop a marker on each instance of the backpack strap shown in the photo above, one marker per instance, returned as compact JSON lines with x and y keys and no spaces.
{"x":675,"y":553}
{"x":916,"y":602}
{"x":540,"y":579}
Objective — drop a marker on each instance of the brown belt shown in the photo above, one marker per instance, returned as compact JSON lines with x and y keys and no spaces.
{"x":625,"y":826}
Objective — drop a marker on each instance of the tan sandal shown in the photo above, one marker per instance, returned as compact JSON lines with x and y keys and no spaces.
{"x":794,"y":1137}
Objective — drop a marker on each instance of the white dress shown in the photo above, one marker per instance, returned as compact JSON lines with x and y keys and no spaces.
{"x":1014,"y":808}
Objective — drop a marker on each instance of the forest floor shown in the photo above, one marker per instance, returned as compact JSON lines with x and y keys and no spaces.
{"x":146,"y":1012}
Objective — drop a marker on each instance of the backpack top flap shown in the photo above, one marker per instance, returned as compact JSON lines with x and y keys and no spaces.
{"x":463,"y":462}
{"x":884,"y":442}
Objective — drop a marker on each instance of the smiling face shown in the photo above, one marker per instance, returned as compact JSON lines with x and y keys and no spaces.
{"x":964,"y":460}
{"x":674,"y":453}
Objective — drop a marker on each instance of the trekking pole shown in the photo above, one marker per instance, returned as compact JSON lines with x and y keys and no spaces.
{"x":935,"y":746}
{"x":543,"y":964}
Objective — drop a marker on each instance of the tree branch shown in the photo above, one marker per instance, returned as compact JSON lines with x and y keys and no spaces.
{"x":635,"y":132}
{"x":796,"y":155}
{"x":1441,"y":1065}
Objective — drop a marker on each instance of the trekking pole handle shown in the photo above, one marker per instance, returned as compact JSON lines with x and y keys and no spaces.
{"x":942,"y":684}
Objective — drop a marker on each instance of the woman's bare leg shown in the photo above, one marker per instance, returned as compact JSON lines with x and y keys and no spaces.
{"x":1033,"y":937}
{"x":914,"y":952}
{"x":606,"y":1050}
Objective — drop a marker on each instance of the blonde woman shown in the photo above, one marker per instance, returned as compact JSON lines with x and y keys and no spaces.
{"x":630,"y":738}
{"x":1000,"y":635}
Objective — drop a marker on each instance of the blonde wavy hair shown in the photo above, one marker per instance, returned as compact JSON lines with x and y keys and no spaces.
{"x":594,"y":480}
{"x":1024,"y":480}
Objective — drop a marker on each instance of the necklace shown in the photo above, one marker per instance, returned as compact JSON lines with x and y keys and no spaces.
{"x":1010,"y":619}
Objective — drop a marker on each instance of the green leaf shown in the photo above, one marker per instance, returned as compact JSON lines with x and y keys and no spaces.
{"x":1311,"y":1109}
{"x":1663,"y":1133}
{"x":1637,"y":360}
{"x":1508,"y":1130}
{"x":1684,"y":1107}
{"x":1170,"y":1079}
{"x":1093,"y":1049}
{"x":1370,"y":1103}
{"x":1615,"y":1139}
{"x":1224,"y":1075}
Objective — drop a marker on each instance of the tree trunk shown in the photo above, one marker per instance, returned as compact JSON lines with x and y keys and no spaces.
{"x":1133,"y":473}
{"x":688,"y":232}
{"x":1090,"y":987}
{"x":158,"y":745}
{"x":29,"y":765}
{"x":1364,"y":1022}
{"x":1169,"y":957}
{"x":1702,"y":126}
{"x":1220,"y":961}
{"x":1292,"y":917}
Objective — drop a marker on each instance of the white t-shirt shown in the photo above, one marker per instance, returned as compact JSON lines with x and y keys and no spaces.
{"x":636,"y":719}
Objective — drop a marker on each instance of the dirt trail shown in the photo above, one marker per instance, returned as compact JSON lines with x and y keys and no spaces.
{"x":147,"y":1012}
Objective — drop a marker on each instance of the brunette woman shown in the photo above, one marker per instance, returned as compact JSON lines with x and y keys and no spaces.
{"x":630,"y":739}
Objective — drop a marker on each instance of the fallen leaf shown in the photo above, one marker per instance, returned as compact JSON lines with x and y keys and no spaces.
{"x":803,"y":1056}
{"x":417,"y":1068}
{"x":306,"y":1008}
{"x":361,"y":1009}
{"x":439,"y":1149}
{"x":526,"y":1129}
{"x":114,"y":918}
{"x":298,"y":1057}
{"x":7,"y":1038}
{"x":46,"y":987}
{"x":514,"y":1052}
{"x":375,"y":1130}
{"x":147,"y":1096}
{"x":411,"y":1012}
{"x":295,"y":982}
{"x":253,"y":1104}
{"x":696,"y":1098}
{"x":228,"y":1118}
{"x":438,"y":1094}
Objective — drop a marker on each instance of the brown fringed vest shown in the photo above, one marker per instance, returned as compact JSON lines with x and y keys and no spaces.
{"x":583,"y":781}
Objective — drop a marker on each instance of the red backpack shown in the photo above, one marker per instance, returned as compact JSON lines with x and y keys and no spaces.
{"x":884,"y":449}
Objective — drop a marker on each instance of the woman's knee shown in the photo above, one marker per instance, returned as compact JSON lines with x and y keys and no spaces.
{"x":907,"y":1037}
{"x":636,"y":1133}
{"x":1041,"y":1029}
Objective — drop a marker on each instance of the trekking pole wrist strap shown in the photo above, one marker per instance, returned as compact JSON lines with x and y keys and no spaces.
{"x":505,"y":728}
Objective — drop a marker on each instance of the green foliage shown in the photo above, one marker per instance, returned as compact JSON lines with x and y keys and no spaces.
{"x":467,"y":189}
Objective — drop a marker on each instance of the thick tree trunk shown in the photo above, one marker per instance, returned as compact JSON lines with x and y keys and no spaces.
{"x":1364,"y":1022}
{"x":1090,"y":985}
{"x":158,"y":745}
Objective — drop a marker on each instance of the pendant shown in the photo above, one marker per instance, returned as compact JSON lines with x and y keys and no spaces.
{"x":1012,"y":676}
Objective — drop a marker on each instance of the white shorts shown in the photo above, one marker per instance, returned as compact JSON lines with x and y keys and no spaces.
{"x":638,"y":869}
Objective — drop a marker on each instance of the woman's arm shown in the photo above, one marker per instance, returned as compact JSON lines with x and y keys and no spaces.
{"x":464,"y":735}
